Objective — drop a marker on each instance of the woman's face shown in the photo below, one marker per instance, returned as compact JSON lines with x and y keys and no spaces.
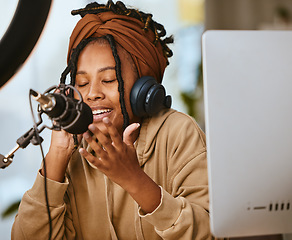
{"x":96,"y":81}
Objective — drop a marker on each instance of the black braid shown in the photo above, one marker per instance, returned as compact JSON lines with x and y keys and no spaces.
{"x":111,"y":41}
{"x":74,"y":58}
{"x":72,"y":64}
{"x":72,"y":68}
{"x":120,"y":8}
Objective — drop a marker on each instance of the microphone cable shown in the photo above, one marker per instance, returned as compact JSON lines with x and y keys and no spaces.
{"x":44,"y":164}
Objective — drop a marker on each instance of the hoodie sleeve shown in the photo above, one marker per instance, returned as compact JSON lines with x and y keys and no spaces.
{"x":31,"y":222}
{"x":183,"y":211}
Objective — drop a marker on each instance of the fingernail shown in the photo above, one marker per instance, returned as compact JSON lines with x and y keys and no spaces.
{"x":91,"y":127}
{"x":86,"y":135}
{"x":106,"y":120}
{"x":137,"y":125}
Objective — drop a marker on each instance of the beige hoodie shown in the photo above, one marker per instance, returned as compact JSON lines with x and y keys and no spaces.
{"x":171,"y":150}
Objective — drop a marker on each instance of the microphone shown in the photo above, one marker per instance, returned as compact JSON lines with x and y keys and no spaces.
{"x":70,"y":114}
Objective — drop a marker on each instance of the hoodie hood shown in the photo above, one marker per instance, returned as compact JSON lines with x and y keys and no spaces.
{"x":145,"y":144}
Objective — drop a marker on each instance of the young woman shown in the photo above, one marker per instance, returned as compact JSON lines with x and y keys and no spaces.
{"x":132,"y":177}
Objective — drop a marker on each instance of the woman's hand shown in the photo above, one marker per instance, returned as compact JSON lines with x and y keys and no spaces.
{"x":60,"y":151}
{"x":62,"y":142}
{"x":116,"y":157}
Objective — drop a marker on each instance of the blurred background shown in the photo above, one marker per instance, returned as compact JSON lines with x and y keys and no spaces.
{"x":185,"y":19}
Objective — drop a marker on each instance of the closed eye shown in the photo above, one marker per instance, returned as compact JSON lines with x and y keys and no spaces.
{"x":81,"y":85}
{"x":109,"y":81}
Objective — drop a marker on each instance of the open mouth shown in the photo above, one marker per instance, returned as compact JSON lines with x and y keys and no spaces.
{"x":101,"y":111}
{"x":100,"y":114}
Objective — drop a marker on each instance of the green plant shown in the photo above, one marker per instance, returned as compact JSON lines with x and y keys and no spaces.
{"x":11,"y":209}
{"x":194,"y":100}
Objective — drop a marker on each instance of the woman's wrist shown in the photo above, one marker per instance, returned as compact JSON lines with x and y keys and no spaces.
{"x":56,"y":164}
{"x":146,"y":193}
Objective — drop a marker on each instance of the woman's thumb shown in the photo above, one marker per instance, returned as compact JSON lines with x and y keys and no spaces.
{"x":130,"y":134}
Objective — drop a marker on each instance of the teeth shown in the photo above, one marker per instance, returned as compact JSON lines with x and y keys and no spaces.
{"x":101,"y":111}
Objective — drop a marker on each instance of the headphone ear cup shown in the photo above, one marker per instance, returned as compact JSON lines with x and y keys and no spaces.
{"x":154,"y":100}
{"x":147,"y":97}
{"x":138,"y":95}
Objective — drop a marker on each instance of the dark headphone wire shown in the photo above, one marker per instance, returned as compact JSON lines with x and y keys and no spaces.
{"x":44,"y":166}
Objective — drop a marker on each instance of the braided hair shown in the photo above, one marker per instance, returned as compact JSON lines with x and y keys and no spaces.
{"x":117,"y":8}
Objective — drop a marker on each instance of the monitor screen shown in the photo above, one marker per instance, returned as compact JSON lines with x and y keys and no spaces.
{"x":248,"y":114}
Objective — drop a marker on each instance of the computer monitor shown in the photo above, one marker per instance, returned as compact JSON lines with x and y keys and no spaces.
{"x":248,"y":116}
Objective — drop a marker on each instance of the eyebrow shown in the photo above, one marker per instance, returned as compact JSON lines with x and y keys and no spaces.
{"x":99,"y":70}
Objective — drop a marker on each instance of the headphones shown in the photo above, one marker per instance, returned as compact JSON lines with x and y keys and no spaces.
{"x":148,"y":98}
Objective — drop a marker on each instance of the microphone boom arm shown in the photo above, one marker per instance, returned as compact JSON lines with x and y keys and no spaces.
{"x":58,"y":122}
{"x":22,"y":142}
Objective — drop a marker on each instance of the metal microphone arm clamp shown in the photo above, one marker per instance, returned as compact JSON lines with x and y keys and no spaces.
{"x":4,"y":161}
{"x":22,"y":142}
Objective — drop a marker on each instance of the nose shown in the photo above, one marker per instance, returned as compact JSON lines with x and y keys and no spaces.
{"x":95,"y":92}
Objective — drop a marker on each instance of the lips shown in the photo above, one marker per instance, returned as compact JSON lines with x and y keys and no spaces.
{"x":100,"y":113}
